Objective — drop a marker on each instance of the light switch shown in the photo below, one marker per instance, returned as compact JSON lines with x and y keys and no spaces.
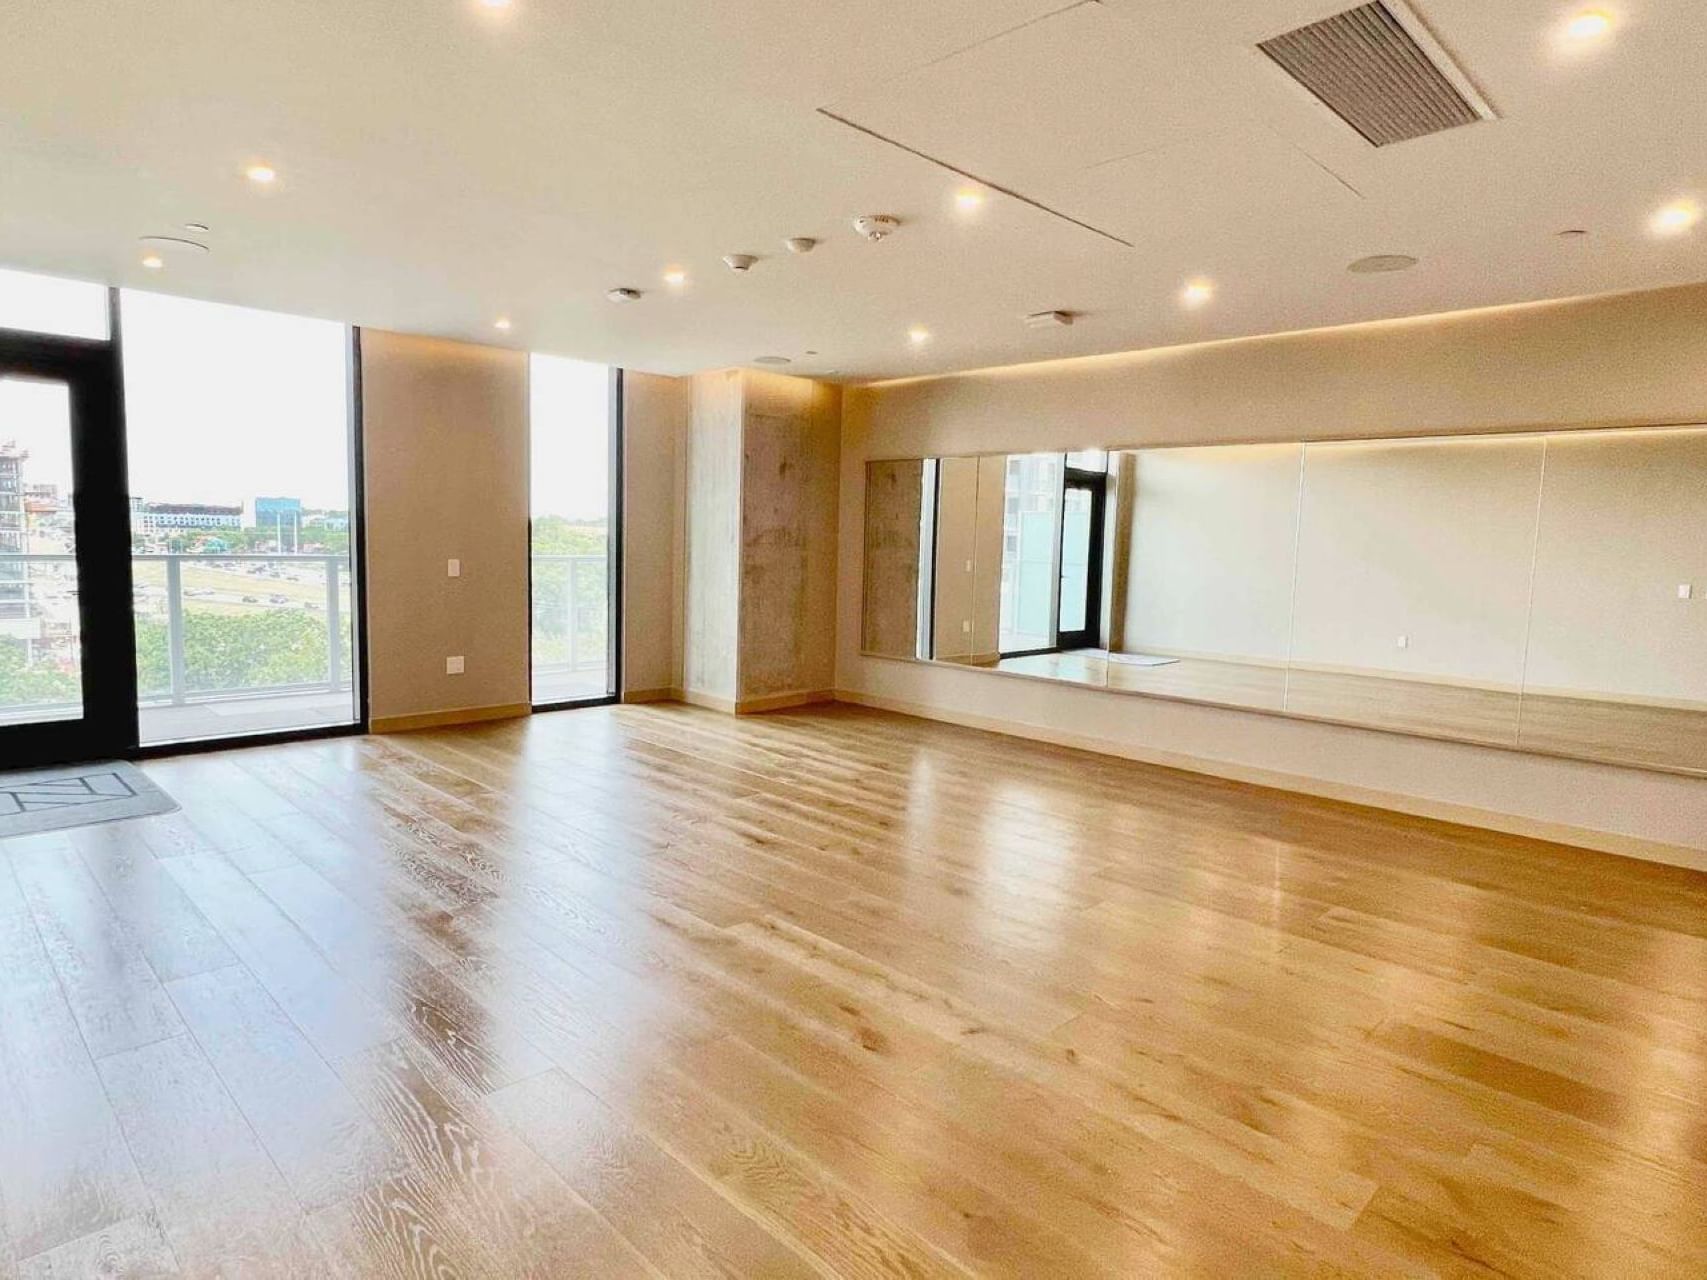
{"x":453,"y":568}
{"x":968,"y":566}
{"x":1684,"y":591}
{"x":1404,"y":642}
{"x":966,"y":626}
{"x":453,"y":666}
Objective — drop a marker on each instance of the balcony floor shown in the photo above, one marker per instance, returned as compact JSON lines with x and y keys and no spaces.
{"x":234,"y":717}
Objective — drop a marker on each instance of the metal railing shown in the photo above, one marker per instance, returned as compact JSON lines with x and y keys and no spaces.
{"x":285,"y":568}
{"x":571,"y":611}
{"x":579,"y":601}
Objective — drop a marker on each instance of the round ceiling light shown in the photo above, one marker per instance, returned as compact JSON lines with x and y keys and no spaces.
{"x":772,"y":360}
{"x":1381,"y":263}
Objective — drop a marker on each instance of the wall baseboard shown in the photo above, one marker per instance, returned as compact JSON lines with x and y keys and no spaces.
{"x":783,"y":701}
{"x":440,"y":719}
{"x":1674,"y":855}
{"x":710,"y":701}
{"x":651,"y":695}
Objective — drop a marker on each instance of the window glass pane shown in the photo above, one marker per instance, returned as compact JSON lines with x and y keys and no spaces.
{"x":40,"y":648}
{"x":48,"y":304}
{"x":570,"y":419}
{"x":240,"y":459}
{"x":1075,"y":557}
{"x":1031,"y":523}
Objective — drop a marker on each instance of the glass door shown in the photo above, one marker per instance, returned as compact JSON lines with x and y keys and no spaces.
{"x":575,"y":446}
{"x":66,"y":657}
{"x":1079,"y":616}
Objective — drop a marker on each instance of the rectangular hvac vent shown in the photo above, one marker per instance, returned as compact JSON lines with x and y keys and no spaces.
{"x":1371,"y":72}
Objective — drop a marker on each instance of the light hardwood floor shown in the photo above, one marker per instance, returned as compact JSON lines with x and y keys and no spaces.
{"x":656,"y":991}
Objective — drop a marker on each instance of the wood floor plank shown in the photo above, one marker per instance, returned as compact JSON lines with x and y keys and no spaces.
{"x":113,"y":991}
{"x":175,"y":937}
{"x":668,"y":1213}
{"x":316,"y":1134}
{"x":133,"y":1249}
{"x":65,"y":1171}
{"x":657,"y":991}
{"x":470,"y":1173}
{"x":223,"y":1204}
{"x":336,"y":1017}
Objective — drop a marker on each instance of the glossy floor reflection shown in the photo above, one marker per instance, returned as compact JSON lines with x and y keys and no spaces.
{"x":655,"y":991}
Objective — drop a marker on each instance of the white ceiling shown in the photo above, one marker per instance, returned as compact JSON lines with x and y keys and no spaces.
{"x":441,"y":164}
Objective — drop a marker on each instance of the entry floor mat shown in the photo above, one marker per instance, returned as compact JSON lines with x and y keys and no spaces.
{"x":76,"y":795}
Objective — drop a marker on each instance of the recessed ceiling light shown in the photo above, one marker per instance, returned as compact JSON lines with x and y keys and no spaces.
{"x":1587,"y":26}
{"x":969,"y":199}
{"x":675,"y":277}
{"x":502,"y":324}
{"x":1382,"y":263}
{"x":1572,"y":233}
{"x":623,"y":295}
{"x":197,"y":227}
{"x":153,"y":261}
{"x":1676,"y":217}
{"x":494,"y":4}
{"x":261,"y":174}
{"x":772,"y":360}
{"x":918,"y":335}
{"x":1197,"y":292}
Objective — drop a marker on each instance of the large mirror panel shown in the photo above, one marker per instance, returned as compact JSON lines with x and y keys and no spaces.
{"x":1540,"y":591}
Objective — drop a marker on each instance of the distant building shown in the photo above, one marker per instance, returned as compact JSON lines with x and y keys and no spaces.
{"x":157,"y":517}
{"x":272,"y":513}
{"x":14,"y":533}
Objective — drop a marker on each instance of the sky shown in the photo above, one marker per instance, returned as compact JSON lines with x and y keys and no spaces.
{"x":225,"y":404}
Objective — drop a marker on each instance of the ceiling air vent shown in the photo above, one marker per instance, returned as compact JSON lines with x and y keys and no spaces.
{"x":1386,"y":78}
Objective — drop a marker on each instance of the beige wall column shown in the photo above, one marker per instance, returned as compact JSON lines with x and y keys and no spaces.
{"x":444,"y":452}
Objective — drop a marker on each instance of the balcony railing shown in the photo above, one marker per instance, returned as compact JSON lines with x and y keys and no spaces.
{"x":217,"y":627}
{"x":571,"y":613}
{"x":201,"y":664}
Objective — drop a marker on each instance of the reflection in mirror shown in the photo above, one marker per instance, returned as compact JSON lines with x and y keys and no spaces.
{"x":889,"y":623}
{"x":1544,"y":591}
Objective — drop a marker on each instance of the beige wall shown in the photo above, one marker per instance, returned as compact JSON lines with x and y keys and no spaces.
{"x":1429,"y":540}
{"x":1212,"y":543}
{"x":444,"y":452}
{"x":655,"y":423}
{"x":711,"y":553}
{"x":1626,"y":359}
{"x":956,"y":551}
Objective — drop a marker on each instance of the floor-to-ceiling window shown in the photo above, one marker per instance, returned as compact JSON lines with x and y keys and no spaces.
{"x":574,"y":433}
{"x":241,"y":476}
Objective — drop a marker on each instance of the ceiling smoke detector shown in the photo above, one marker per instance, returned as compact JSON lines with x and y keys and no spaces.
{"x":1049,"y":319}
{"x":623,"y":295}
{"x":739,"y":261}
{"x":875,"y":226}
{"x":800,"y":244}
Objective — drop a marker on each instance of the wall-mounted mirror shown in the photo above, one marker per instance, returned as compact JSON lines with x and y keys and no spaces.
{"x":1544,"y":591}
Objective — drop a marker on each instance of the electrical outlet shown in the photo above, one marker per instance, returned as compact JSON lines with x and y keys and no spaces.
{"x":453,"y":666}
{"x":453,"y":568}
{"x":966,"y":626}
